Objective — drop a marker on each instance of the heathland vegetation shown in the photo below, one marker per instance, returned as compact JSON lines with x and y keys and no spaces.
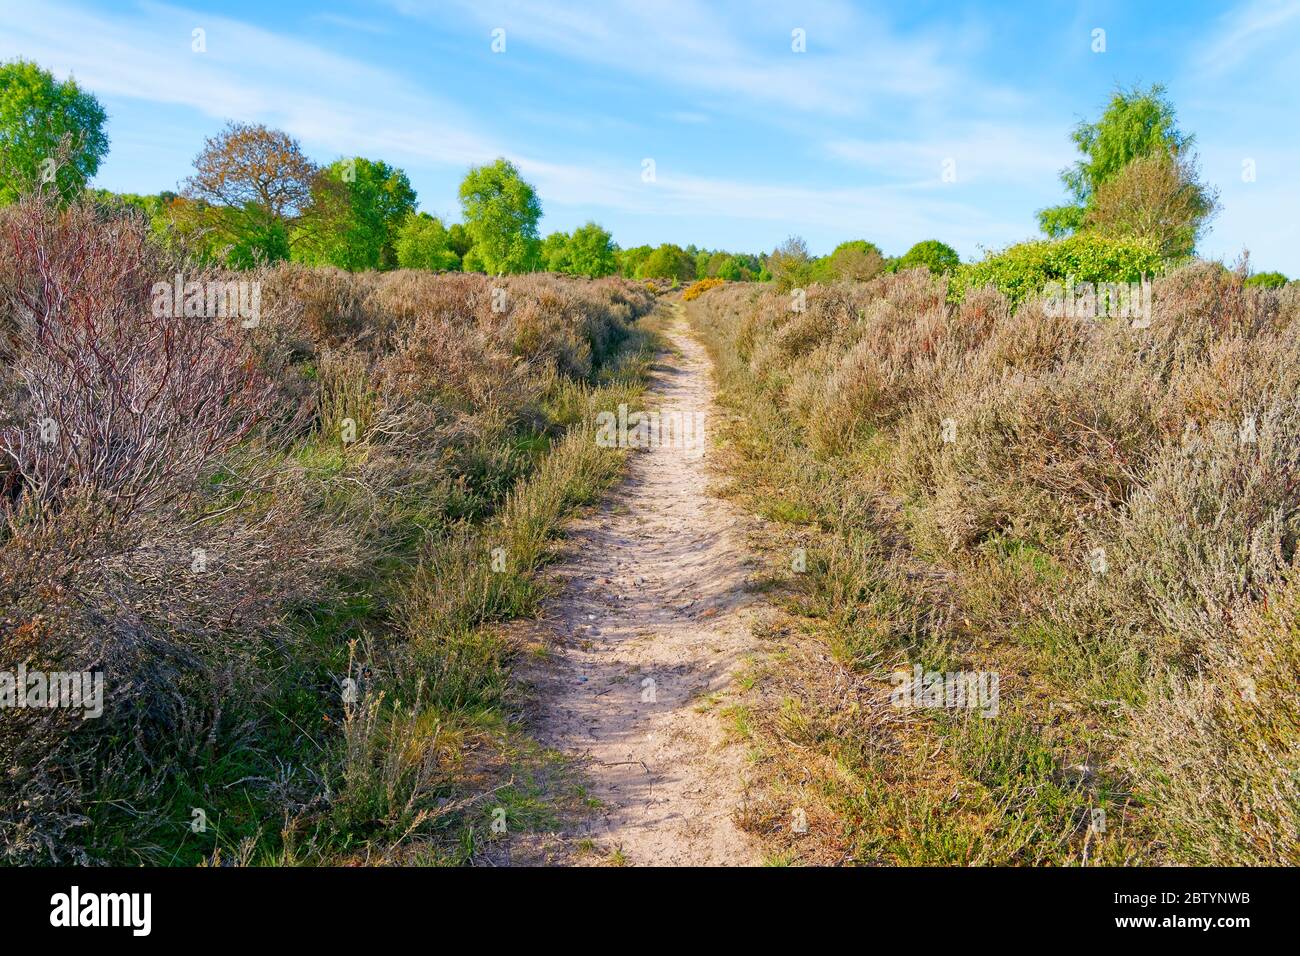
{"x":1101,"y":509}
{"x":282,"y":537}
{"x":288,"y":532}
{"x":1105,"y":515}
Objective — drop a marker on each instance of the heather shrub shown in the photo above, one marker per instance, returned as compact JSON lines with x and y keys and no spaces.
{"x":225,"y":518}
{"x":112,"y":401}
{"x":328,"y":301}
{"x":129,"y":438}
{"x":1115,"y":506}
{"x":1217,"y":749}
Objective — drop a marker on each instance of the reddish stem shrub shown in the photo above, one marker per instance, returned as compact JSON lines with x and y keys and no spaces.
{"x":113,"y":403}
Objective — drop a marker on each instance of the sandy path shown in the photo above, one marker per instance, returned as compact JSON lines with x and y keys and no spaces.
{"x":654,"y":591}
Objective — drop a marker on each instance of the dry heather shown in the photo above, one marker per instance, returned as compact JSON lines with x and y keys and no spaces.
{"x":1106,"y":515}
{"x":229,"y":521}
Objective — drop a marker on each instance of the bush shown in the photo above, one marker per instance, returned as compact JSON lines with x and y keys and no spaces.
{"x":423,"y":243}
{"x":938,"y":257}
{"x":1268,"y":280}
{"x":856,"y":260}
{"x":791,"y":265}
{"x":1024,"y":270}
{"x":697,"y":289}
{"x":667,"y":262}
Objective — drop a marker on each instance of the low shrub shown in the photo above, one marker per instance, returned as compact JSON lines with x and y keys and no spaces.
{"x":1023,"y":270}
{"x":697,"y":289}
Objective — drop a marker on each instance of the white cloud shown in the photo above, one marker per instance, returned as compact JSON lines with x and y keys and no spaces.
{"x":1245,"y":31}
{"x":249,"y":74}
{"x":854,"y":58}
{"x":981,"y":152}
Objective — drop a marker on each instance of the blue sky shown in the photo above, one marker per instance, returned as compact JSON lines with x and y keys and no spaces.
{"x":751,"y":141}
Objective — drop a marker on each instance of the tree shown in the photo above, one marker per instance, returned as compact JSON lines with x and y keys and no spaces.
{"x":732,"y":269}
{"x":591,"y":252}
{"x":668,"y":262}
{"x":254,"y":184}
{"x":790,"y":264}
{"x":1156,"y":197}
{"x":1135,"y":123}
{"x":938,"y":257}
{"x":155,"y":209}
{"x":357,"y":207}
{"x":856,"y":260}
{"x":459,"y":238}
{"x":501,"y":215}
{"x":555,"y":252}
{"x":260,"y":242}
{"x":422,"y":242}
{"x":630,"y":260}
{"x":47,"y":129}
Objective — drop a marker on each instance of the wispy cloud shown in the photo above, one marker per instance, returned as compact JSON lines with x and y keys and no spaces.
{"x":852,"y":57}
{"x":1244,"y":31}
{"x":979,"y":152}
{"x":246,"y":73}
{"x":354,"y":24}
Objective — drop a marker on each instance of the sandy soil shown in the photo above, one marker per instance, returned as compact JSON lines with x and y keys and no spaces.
{"x":647,"y":633}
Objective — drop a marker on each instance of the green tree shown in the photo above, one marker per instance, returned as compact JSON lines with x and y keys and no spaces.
{"x":261,"y":242}
{"x":50,"y":132}
{"x":668,"y":262}
{"x":791,"y":265}
{"x":1135,"y":123}
{"x":357,"y":207}
{"x":555,"y":252}
{"x":938,"y":257}
{"x":708,"y":264}
{"x":630,"y":260}
{"x":732,"y":269}
{"x":501,"y":216}
{"x":459,"y":238}
{"x":856,"y":260}
{"x":422,"y":242}
{"x":1267,"y":280}
{"x":591,"y":252}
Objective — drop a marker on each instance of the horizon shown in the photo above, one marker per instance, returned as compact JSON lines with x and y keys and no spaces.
{"x":751,"y":141}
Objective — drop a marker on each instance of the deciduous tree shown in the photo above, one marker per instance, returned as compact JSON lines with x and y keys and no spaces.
{"x":501,"y":215}
{"x":51,"y":133}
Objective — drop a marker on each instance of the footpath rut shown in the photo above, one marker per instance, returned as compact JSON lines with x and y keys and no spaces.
{"x":647,"y":633}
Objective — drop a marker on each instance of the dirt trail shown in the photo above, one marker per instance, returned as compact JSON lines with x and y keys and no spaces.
{"x":647,"y":634}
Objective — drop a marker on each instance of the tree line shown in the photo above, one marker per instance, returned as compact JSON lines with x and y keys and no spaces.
{"x":255,"y":197}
